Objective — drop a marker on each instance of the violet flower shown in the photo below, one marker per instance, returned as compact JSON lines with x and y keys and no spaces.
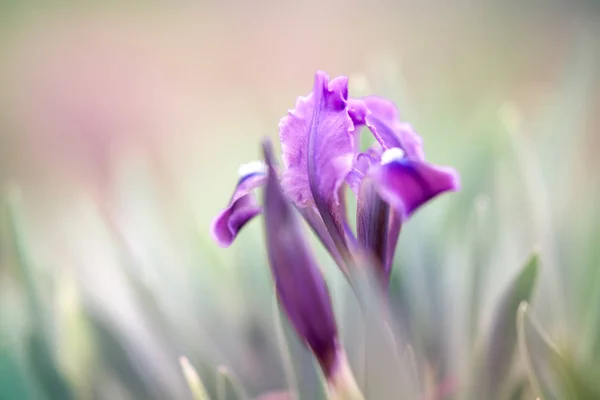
{"x":320,"y":154}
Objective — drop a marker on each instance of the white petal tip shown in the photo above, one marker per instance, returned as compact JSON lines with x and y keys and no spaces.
{"x":251,"y":168}
{"x":390,"y":155}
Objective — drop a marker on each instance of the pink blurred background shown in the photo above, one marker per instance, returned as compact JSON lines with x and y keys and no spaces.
{"x":193,"y":87}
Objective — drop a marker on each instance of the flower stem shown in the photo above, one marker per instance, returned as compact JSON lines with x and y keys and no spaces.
{"x":342,"y":385}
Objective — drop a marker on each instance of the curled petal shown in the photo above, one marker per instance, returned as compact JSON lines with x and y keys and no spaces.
{"x":407,"y":184}
{"x":317,"y":143}
{"x":383,"y":120}
{"x":361,"y":166}
{"x":241,"y":209}
{"x":299,"y":284}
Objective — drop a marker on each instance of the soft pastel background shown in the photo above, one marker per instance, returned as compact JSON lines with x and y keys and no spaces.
{"x":122,"y":127}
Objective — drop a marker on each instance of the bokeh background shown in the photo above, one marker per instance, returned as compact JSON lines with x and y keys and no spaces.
{"x":122,"y":127}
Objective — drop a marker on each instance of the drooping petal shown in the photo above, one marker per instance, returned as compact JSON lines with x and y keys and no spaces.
{"x":299,"y":284}
{"x":242,"y":206}
{"x":317,"y":143}
{"x":406,"y":184}
{"x":383,"y":120}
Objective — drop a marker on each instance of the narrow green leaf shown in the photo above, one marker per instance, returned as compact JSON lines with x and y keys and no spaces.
{"x":21,"y":253}
{"x":387,"y":369}
{"x":518,"y":390}
{"x":115,"y":356}
{"x":228,"y":387}
{"x":193,"y":380}
{"x":305,"y":372}
{"x":45,"y":368}
{"x":479,"y":261}
{"x":495,"y":360}
{"x":39,"y":353}
{"x":284,"y":350}
{"x":14,"y":384}
{"x":277,"y":395}
{"x":552,"y":375}
{"x":413,"y":368}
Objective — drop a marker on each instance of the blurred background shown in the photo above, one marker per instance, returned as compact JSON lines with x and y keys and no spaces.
{"x":122,"y":127}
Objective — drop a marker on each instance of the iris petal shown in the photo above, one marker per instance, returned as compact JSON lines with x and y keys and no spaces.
{"x":241,"y":209}
{"x":317,"y":143}
{"x":407,"y":184}
{"x":383,"y":120}
{"x":361,"y":166}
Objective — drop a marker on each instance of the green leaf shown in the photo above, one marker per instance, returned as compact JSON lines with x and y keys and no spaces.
{"x":45,"y":368}
{"x":552,"y":375}
{"x":21,"y":253}
{"x":228,"y":387}
{"x":277,"y":395}
{"x":13,"y":382}
{"x":388,"y":367}
{"x":518,"y":391}
{"x":302,"y":372}
{"x":41,"y":359}
{"x":284,"y":350}
{"x":496,"y":358}
{"x":114,"y":356}
{"x":193,"y":379}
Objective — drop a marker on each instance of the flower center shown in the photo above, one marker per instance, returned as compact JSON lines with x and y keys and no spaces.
{"x":391,"y":155}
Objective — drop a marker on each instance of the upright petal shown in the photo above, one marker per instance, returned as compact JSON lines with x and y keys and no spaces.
{"x":383,"y":120}
{"x":317,"y":143}
{"x":242,"y":207}
{"x":299,"y":284}
{"x":406,"y":184}
{"x":318,"y":148}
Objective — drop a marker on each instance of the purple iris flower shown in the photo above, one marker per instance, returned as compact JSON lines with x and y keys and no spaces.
{"x":319,"y":143}
{"x":391,"y":179}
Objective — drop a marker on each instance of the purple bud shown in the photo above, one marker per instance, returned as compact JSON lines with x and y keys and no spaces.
{"x":299,"y":284}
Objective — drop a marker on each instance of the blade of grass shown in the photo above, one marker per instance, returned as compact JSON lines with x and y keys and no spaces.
{"x":495,"y":360}
{"x":193,"y":379}
{"x":228,"y":387}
